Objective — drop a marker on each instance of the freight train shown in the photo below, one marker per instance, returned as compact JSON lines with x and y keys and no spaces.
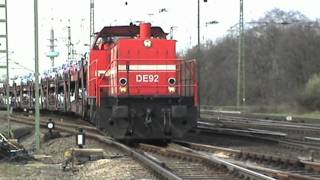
{"x":132,"y":86}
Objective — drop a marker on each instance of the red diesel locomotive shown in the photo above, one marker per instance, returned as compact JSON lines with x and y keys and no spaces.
{"x":133,"y":87}
{"x":137,"y":87}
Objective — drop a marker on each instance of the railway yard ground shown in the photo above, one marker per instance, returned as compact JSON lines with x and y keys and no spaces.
{"x":48,"y":163}
{"x":215,"y":150}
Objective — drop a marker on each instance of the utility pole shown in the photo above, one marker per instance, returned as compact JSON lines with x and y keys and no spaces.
{"x":241,"y":63}
{"x":198,"y":27}
{"x":36,"y":75}
{"x":243,"y":56}
{"x":199,"y":54}
{"x":92,"y":20}
{"x":199,"y":61}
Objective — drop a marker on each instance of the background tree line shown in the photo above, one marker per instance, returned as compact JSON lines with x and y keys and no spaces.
{"x":282,"y":57}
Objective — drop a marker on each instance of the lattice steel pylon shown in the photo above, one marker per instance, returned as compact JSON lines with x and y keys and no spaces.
{"x":91,"y":20}
{"x":52,"y":54}
{"x":70,"y":45}
{"x":4,"y":35}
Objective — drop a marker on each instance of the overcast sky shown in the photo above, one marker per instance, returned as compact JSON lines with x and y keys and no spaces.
{"x":182,"y":14}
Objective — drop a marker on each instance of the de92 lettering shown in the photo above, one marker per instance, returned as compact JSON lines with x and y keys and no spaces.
{"x":147,"y":78}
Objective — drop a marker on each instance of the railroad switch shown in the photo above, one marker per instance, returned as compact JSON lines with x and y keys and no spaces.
{"x":51,"y":135}
{"x":77,"y":156}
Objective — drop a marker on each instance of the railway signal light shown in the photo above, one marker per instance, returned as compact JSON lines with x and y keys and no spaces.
{"x":81,"y":138}
{"x":50,"y":125}
{"x":51,"y":135}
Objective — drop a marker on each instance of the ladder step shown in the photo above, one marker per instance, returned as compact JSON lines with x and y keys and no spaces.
{"x":3,"y":51}
{"x":3,"y":36}
{"x":2,"y":5}
{"x":3,"y":20}
{"x":3,"y":67}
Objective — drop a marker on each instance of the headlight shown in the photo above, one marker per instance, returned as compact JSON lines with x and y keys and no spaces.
{"x":123,"y":81}
{"x":123,"y":89}
{"x":172,"y":81}
{"x":171,"y":89}
{"x":147,"y":43}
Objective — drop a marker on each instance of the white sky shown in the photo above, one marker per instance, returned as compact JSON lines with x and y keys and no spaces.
{"x":181,"y":13}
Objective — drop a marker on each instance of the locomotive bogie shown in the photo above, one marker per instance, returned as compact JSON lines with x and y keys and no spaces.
{"x":146,"y":118}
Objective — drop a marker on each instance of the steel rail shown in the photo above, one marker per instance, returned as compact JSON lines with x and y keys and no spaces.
{"x":257,"y":117}
{"x":281,"y":138}
{"x":259,"y":120}
{"x":204,"y":125}
{"x":236,"y":153}
{"x":142,"y":158}
{"x":65,"y":124}
{"x":213,"y":160}
{"x":276,"y":173}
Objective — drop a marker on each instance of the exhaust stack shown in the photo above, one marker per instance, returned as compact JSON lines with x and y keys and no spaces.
{"x":145,"y":30}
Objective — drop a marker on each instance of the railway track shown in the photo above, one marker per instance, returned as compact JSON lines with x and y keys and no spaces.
{"x":75,"y":124}
{"x":195,"y":165}
{"x":213,"y":168}
{"x":275,"y":166}
{"x":293,"y":130}
{"x":302,"y":145}
{"x":282,"y":118}
{"x":260,"y":144}
{"x":296,"y":136}
{"x":93,"y":133}
{"x":60,"y":123}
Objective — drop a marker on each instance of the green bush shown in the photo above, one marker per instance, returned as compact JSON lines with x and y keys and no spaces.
{"x":310,"y":98}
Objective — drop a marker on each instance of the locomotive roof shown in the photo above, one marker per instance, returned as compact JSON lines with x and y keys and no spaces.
{"x":130,"y":31}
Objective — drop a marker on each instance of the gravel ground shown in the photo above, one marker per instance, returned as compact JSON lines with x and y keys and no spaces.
{"x":116,"y":165}
{"x":119,"y":168}
{"x":4,"y":126}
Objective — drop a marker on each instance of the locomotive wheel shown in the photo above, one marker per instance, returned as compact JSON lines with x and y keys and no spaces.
{"x":92,"y":114}
{"x":84,"y":113}
{"x":102,"y":117}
